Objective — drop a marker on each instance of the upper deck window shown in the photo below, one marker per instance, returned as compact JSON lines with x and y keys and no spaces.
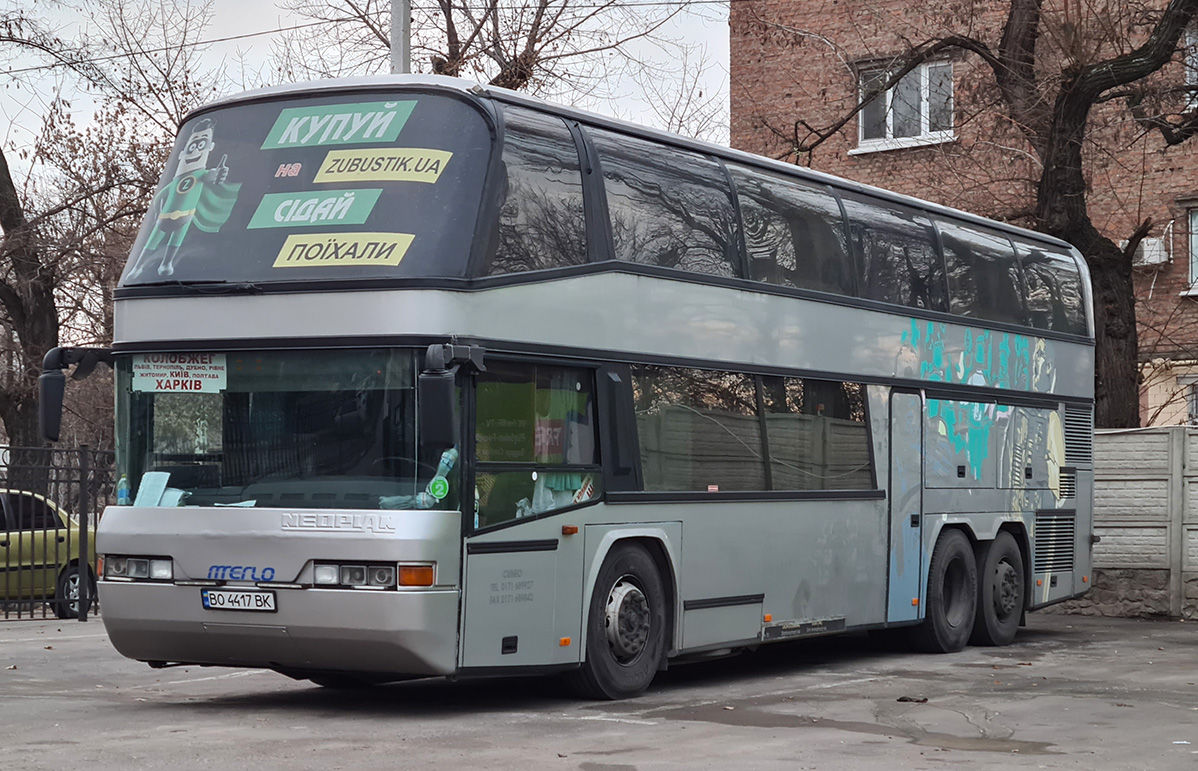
{"x":896,"y":249}
{"x":794,"y":233}
{"x":983,"y":275}
{"x":667,"y":207}
{"x":328,"y":186}
{"x":1054,"y":290}
{"x":541,"y":218}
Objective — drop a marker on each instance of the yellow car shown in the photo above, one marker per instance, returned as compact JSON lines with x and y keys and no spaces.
{"x":39,"y":553}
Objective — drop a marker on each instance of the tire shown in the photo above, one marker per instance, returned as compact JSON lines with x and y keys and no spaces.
{"x":66,"y":595}
{"x":626,"y":627}
{"x":952,"y":596}
{"x":1002,"y":587}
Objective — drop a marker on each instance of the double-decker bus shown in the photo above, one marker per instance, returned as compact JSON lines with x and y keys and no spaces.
{"x":421,"y":378}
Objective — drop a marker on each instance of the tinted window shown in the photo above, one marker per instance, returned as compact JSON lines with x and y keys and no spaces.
{"x":540,"y":419}
{"x":332,"y":185}
{"x":28,"y":513}
{"x":698,"y":430}
{"x":794,"y":233}
{"x":818,"y":436}
{"x":667,"y":207}
{"x":896,"y":249}
{"x":541,"y":222}
{"x":1054,"y":291}
{"x":983,"y":275}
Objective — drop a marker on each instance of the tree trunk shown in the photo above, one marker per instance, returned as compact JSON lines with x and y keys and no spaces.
{"x":1116,"y":355}
{"x":1061,"y":209}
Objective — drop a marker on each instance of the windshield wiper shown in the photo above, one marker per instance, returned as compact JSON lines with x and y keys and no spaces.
{"x":202,"y":286}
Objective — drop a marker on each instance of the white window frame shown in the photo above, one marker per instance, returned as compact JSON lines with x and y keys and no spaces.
{"x":926,"y":136}
{"x":1192,"y":219}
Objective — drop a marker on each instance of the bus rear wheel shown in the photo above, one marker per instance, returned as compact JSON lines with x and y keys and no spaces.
{"x":625,"y":627}
{"x":952,"y":596}
{"x":1001,"y":588}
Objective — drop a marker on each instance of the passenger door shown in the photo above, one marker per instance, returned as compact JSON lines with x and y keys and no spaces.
{"x":536,"y":451}
{"x":906,"y":505}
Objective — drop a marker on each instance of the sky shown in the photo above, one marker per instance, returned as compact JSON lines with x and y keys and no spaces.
{"x":22,"y":108}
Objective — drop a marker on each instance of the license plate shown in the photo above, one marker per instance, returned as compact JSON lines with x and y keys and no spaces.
{"x":219,"y":599}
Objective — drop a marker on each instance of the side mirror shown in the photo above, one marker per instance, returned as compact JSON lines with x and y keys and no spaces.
{"x":436,"y":395}
{"x":51,"y":386}
{"x":52,"y":383}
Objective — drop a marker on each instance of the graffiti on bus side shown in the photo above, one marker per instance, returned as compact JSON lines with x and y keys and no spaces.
{"x":992,"y":438}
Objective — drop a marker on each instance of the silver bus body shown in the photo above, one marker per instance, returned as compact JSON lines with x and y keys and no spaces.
{"x":739,"y":570}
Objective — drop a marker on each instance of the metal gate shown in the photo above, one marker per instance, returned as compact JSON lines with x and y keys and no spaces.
{"x":50,"y":502}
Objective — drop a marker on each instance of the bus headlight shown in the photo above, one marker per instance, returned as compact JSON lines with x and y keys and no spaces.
{"x":359,"y":575}
{"x":136,"y":568}
{"x":326,"y":575}
{"x":383,"y":575}
{"x":162,"y":570}
{"x":353,"y":575}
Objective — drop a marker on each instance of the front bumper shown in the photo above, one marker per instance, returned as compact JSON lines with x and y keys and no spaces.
{"x":402,"y":633}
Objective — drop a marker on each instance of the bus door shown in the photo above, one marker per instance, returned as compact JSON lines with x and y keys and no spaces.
{"x":906,"y":505}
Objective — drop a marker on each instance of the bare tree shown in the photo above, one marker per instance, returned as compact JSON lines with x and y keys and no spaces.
{"x":549,"y":47}
{"x":1056,"y":76}
{"x":72,"y":208}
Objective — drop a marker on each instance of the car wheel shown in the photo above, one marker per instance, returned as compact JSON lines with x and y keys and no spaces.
{"x":66,"y":596}
{"x":626,"y":627}
{"x":952,"y":596}
{"x":1001,"y":590}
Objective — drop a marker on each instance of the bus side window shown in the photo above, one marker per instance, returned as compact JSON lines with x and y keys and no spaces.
{"x":667,"y":207}
{"x":541,"y":219}
{"x":817,"y":433}
{"x":794,"y":233}
{"x":1054,"y":291}
{"x":897,"y":254}
{"x":698,"y":430}
{"x":983,"y":275}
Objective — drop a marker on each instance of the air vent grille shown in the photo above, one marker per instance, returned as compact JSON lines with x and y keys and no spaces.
{"x":1079,"y":435}
{"x":1068,"y":483}
{"x":1054,"y":542}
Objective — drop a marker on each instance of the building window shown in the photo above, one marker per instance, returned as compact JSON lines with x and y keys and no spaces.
{"x":918,"y":110}
{"x":1193,"y":216}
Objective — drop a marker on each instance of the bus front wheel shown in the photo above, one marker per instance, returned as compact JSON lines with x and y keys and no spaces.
{"x":625,"y":627}
{"x":952,"y":596}
{"x":1001,"y":587}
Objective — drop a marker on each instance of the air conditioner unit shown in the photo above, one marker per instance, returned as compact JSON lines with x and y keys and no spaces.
{"x":1151,"y":251}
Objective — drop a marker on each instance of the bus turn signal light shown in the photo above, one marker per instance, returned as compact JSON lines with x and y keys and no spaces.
{"x":415,"y":575}
{"x":569,"y":529}
{"x":564,"y":642}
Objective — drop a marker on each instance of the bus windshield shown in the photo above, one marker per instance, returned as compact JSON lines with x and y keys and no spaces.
{"x":321,"y":187}
{"x":295,"y":429}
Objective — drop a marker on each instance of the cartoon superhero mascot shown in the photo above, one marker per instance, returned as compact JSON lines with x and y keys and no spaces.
{"x":196,"y":196}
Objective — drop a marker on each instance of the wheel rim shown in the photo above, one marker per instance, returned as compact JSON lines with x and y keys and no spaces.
{"x":1007,"y":592}
{"x":73,"y":592}
{"x":627,"y":620}
{"x":956,"y":603}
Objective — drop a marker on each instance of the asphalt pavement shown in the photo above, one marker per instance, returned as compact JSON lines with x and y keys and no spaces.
{"x":1071,"y":693}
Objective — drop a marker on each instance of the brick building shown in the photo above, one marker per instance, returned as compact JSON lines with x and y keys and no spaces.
{"x":942,"y":134}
